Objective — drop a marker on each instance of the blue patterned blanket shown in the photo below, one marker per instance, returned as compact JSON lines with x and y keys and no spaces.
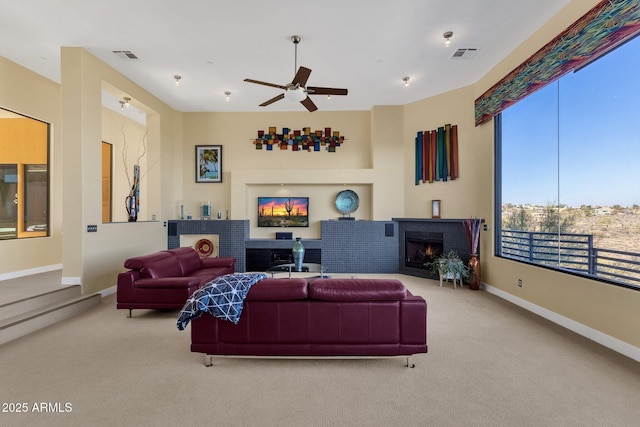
{"x":223,"y":298}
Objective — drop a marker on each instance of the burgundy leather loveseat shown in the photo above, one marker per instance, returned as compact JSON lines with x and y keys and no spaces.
{"x":319,"y":317}
{"x":164,"y":280}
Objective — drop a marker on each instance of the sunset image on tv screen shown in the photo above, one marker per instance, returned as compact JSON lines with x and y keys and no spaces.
{"x":283,"y":211}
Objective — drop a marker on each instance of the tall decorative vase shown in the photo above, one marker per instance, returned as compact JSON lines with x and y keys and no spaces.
{"x":298,"y":254}
{"x":132,"y":201}
{"x":474,"y":273}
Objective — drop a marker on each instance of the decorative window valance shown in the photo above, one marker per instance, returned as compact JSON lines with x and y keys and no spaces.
{"x":605,"y":26}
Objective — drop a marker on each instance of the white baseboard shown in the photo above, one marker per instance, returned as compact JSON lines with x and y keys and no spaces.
{"x":30,"y":271}
{"x":108,"y":291}
{"x":67,"y":280}
{"x":580,"y":329}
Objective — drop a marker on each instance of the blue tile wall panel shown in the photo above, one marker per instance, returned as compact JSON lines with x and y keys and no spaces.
{"x":232,"y":234}
{"x":359,"y":247}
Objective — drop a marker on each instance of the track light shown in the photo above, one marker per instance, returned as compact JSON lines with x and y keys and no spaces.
{"x":406,"y":81}
{"x":227,"y":94}
{"x":447,"y":38}
{"x":127,"y":101}
{"x":121,"y":105}
{"x":177,"y":79}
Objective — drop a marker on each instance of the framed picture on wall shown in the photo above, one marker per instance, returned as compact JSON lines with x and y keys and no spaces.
{"x":435,"y":209}
{"x":208,"y":163}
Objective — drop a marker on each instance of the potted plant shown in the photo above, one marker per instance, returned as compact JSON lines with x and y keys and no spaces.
{"x":449,"y":266}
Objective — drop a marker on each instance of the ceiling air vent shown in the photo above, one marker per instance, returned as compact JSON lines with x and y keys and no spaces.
{"x":466,"y":53}
{"x":125,"y":54}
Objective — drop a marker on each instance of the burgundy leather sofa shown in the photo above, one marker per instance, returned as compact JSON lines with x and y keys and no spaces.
{"x":164,"y":280}
{"x":319,"y":317}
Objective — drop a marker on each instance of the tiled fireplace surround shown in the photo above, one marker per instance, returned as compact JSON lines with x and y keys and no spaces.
{"x":346,"y":246}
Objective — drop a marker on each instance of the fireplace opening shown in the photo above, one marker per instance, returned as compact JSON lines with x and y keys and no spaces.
{"x":421,"y":248}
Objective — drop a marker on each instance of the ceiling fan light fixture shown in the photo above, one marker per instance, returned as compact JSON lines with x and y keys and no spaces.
{"x":406,"y":81}
{"x":295,"y":94}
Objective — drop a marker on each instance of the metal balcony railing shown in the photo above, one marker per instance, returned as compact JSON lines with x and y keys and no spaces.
{"x":574,"y":253}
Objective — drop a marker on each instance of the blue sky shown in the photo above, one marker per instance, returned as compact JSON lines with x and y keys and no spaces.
{"x":599,"y":138}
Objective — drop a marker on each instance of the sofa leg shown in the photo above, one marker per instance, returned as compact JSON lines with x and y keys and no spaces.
{"x":130,"y":315}
{"x":410,"y":364}
{"x":208,"y":360}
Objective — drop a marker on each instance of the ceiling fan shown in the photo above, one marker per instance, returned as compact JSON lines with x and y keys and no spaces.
{"x":297,"y":89}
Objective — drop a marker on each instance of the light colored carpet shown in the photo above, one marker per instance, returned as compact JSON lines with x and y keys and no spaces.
{"x":489,"y":364}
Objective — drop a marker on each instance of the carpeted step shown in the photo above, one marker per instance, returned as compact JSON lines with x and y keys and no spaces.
{"x":45,"y":315}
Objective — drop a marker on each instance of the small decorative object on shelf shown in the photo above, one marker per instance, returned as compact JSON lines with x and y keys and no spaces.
{"x":298,"y":253}
{"x":347,"y":202}
{"x":472,"y":227}
{"x":206,"y":210}
{"x":435,"y":209}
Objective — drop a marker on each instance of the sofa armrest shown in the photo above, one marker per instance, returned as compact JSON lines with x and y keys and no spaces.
{"x":221,"y":262}
{"x":167,"y":282}
{"x":413,"y":320}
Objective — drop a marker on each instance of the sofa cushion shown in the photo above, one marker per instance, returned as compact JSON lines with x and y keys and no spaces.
{"x":136,"y":263}
{"x":165,"y":267}
{"x":188,"y":259}
{"x":357,"y":290}
{"x":278,"y":290}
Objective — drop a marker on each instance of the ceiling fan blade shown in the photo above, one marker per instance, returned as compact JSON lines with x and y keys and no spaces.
{"x":265,"y":83}
{"x":301,"y":76}
{"x":312,"y":90}
{"x":272,"y":100}
{"x":309,"y":105}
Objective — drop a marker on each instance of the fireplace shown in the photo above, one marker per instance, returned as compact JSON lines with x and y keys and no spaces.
{"x":422,"y":248}
{"x":443,"y":234}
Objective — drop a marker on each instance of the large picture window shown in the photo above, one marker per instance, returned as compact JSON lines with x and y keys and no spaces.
{"x":568,"y":172}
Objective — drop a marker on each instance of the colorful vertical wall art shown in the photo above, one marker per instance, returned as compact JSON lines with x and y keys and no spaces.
{"x":437,"y":154}
{"x":297,"y":140}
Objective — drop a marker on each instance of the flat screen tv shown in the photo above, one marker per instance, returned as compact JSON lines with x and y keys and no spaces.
{"x":283,"y":211}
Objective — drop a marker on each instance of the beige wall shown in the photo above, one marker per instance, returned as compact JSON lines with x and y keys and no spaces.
{"x":29,"y":94}
{"x":93,"y":259}
{"x":249,"y":173}
{"x":458,"y":197}
{"x":611,"y":311}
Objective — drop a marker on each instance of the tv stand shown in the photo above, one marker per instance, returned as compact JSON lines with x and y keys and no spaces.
{"x":262,"y":254}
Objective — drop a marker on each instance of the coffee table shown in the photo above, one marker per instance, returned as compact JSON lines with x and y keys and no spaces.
{"x":291,"y":268}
